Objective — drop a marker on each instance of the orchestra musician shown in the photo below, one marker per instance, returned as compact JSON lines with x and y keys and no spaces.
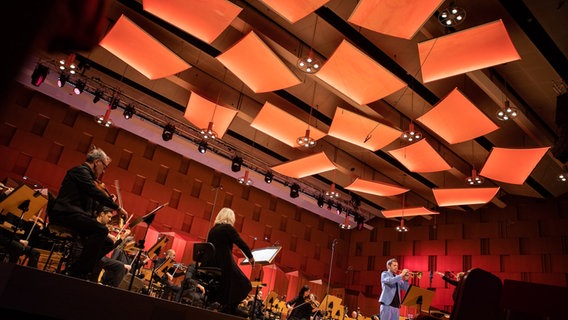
{"x":303,"y":306}
{"x":234,"y":285}
{"x":171,"y":290}
{"x":191,"y":288}
{"x":453,"y":282}
{"x":392,"y":284}
{"x":73,"y":209}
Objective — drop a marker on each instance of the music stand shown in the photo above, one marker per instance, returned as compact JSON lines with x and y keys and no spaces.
{"x":416,"y":296}
{"x":23,"y":199}
{"x":262,"y":257}
{"x":148,"y":218}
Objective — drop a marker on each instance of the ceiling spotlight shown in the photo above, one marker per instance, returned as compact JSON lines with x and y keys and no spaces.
{"x":346,"y":225}
{"x":306,"y":141}
{"x":97,"y":96}
{"x":169,"y":131}
{"x":320,"y":201}
{"x":237,"y":163}
{"x":63,"y":78}
{"x":332,"y":193}
{"x":104,"y":120}
{"x":268,"y":177}
{"x":202,"y":147}
{"x":339,"y":208}
{"x":39,"y":74}
{"x":329,"y":204}
{"x":309,"y":63}
{"x":401,"y":227}
{"x":411,"y":135}
{"x":114,"y":103}
{"x":360,"y":222}
{"x":79,"y":87}
{"x":245,"y":180}
{"x":508,"y":112}
{"x":474,"y":179}
{"x":208,"y":133}
{"x":563,"y":177}
{"x":129,"y":112}
{"x":294,"y":190}
{"x":452,"y":16}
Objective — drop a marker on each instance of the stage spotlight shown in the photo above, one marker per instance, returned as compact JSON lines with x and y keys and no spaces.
{"x":268,"y":177}
{"x":169,"y":131}
{"x":339,"y":208}
{"x":320,"y":201}
{"x":79,"y":87}
{"x":63,"y":78}
{"x":294,"y":190}
{"x":202,"y":147}
{"x":114,"y":103}
{"x":360,"y":222}
{"x":237,"y":163}
{"x":129,"y":112}
{"x":355,"y":201}
{"x":39,"y":74}
{"x":97,"y":96}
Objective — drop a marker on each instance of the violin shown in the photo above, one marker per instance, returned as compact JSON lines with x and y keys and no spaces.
{"x":311,"y":299}
{"x":101,"y":186}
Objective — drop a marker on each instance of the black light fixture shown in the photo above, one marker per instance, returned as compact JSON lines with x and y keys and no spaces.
{"x":202,"y":146}
{"x":237,"y":163}
{"x":355,"y":201}
{"x":79,"y":87}
{"x":97,"y":96}
{"x":114,"y":103}
{"x":360,"y":222}
{"x":339,"y":208}
{"x":294,"y":191}
{"x":169,"y":131}
{"x":129,"y":112}
{"x":268,"y":177}
{"x":39,"y":74}
{"x":320,"y":201}
{"x":63,"y":78}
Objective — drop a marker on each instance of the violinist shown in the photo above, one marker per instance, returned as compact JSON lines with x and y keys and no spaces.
{"x":302,"y":307}
{"x":171,"y":290}
{"x":73,"y":209}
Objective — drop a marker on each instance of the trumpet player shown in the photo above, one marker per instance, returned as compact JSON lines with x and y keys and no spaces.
{"x":392,"y":284}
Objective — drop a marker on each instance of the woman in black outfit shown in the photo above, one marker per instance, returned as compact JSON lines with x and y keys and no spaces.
{"x":234,"y":286}
{"x":303,"y":307}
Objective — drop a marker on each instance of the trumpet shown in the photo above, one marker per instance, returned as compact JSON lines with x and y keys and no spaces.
{"x":412,"y":274}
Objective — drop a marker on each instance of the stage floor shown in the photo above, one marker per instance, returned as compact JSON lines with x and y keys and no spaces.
{"x":27,"y":293}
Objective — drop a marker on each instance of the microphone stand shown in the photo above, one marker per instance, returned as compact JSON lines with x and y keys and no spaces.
{"x":329,"y":277}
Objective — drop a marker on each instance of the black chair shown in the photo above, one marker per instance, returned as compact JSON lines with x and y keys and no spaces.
{"x":208,"y":277}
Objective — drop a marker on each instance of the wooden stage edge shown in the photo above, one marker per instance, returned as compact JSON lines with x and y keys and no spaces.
{"x":27,"y":293}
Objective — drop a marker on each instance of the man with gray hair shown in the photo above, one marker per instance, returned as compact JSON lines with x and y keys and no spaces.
{"x":73,"y":209}
{"x":392,"y":284}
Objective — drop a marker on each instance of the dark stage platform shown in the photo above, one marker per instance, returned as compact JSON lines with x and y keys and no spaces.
{"x":27,"y":293}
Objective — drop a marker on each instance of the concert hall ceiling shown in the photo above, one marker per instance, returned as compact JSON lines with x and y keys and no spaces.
{"x":385,"y":66}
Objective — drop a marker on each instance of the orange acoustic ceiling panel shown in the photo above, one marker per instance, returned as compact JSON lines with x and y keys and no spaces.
{"x":463,"y":196}
{"x":375,"y":187}
{"x":205,"y":20}
{"x":201,"y":111}
{"x":294,"y":10}
{"x":456,"y":119}
{"x":396,"y":18}
{"x":257,"y":65}
{"x":361,"y":131}
{"x":304,"y":167}
{"x":282,"y":125}
{"x":141,"y":51}
{"x":512,"y":165}
{"x":358,"y":76}
{"x":420,"y":157}
{"x":468,"y":50}
{"x":408,"y":212}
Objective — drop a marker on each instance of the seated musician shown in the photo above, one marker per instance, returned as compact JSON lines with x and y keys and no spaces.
{"x":171,"y":290}
{"x":11,"y":243}
{"x":301,"y":306}
{"x":260,"y":311}
{"x":73,"y":209}
{"x":191,"y":289}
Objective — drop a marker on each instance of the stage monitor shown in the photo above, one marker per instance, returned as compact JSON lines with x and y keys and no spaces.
{"x":263,"y":255}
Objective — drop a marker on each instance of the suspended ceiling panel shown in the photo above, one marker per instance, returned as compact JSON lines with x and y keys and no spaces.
{"x":201,"y":111}
{"x":456,"y":119}
{"x":257,"y":65}
{"x":358,"y":76}
{"x":361,"y":131}
{"x":512,"y":165}
{"x":475,"y":48}
{"x":205,"y":20}
{"x":282,"y":125}
{"x":375,"y":187}
{"x":294,"y":10}
{"x":420,"y":157}
{"x":307,"y":166}
{"x":408,"y":212}
{"x":394,"y":18}
{"x":141,"y":51}
{"x":463,"y":196}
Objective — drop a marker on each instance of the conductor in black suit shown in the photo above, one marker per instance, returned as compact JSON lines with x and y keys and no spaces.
{"x":234,"y":286}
